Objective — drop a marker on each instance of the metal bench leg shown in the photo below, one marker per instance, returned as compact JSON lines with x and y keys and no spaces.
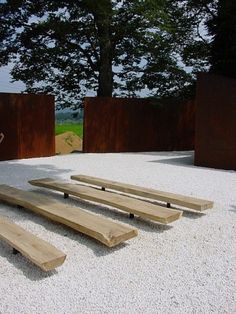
{"x":15,"y":251}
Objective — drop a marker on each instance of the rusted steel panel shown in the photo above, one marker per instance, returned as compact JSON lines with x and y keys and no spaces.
{"x":8,"y":128}
{"x":37,"y":125}
{"x":28,"y":122}
{"x":126,"y":125}
{"x":215,"y":142}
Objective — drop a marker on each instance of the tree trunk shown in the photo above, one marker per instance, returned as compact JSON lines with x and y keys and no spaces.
{"x":223,"y":55}
{"x":103,"y":16}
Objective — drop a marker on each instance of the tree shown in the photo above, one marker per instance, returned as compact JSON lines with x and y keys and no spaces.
{"x":222,"y":27}
{"x":114,"y":47}
{"x":220,"y":19}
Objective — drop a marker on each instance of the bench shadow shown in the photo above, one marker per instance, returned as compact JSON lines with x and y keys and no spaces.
{"x":233,"y":208}
{"x":11,"y":171}
{"x":192,"y":214}
{"x":98,"y":248}
{"x":108,"y":212}
{"x":187,"y":213}
{"x":23,"y":214}
{"x":28,"y":268}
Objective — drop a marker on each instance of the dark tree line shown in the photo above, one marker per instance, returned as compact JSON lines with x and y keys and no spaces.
{"x":223,"y":29}
{"x":114,"y":46}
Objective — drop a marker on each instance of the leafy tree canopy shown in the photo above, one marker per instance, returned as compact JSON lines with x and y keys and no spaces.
{"x":223,"y":29}
{"x":115,"y":47}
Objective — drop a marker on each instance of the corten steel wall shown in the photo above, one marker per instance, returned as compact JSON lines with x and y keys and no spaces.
{"x":129,"y":125}
{"x":215,"y":142}
{"x":28,"y":124}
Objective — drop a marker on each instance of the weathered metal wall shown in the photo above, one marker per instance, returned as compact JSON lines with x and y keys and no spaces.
{"x":215,"y":142}
{"x":27,"y":125}
{"x":129,"y":125}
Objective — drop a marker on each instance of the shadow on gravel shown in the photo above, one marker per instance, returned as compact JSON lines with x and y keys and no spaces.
{"x":183,"y":159}
{"x":108,"y":212}
{"x":186,"y":212}
{"x":12,"y":172}
{"x":193,"y":215}
{"x":30,"y":270}
{"x":233,"y":208}
{"x":61,"y":230}
{"x":180,"y":161}
{"x":15,"y":214}
{"x":163,"y":153}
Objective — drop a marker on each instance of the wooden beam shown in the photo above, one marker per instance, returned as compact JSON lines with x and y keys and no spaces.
{"x":38,"y":251}
{"x":106,"y":231}
{"x":130,"y":205}
{"x":169,"y":198}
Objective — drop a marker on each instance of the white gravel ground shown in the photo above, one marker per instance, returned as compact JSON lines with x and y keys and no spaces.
{"x":188,"y":267}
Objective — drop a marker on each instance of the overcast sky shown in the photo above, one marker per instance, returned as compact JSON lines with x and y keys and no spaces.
{"x":5,"y":85}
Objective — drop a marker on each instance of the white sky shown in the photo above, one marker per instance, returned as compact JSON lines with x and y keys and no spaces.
{"x":6,"y":86}
{"x":5,"y":82}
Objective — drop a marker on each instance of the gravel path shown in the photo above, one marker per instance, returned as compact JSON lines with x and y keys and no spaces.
{"x":188,"y":267}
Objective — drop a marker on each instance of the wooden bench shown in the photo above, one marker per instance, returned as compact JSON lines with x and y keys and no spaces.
{"x":170,"y":198}
{"x":106,"y":231}
{"x":130,"y":205}
{"x":38,"y":251}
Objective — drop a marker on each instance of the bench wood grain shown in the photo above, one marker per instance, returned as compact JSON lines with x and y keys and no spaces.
{"x":171,"y":198}
{"x":106,"y":231}
{"x":130,"y":205}
{"x":38,"y":251}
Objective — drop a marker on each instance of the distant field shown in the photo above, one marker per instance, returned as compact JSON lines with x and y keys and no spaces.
{"x":76,"y":128}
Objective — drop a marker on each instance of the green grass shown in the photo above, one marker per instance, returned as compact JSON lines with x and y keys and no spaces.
{"x":76,"y":128}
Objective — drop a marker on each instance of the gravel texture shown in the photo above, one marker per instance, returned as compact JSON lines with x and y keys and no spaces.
{"x":186,"y":267}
